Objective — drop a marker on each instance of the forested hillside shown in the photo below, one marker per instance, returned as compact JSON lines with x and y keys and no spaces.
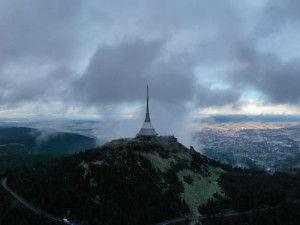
{"x":140,"y":182}
{"x":123,"y":182}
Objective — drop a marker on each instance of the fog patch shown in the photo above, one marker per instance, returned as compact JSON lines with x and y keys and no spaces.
{"x":44,"y":135}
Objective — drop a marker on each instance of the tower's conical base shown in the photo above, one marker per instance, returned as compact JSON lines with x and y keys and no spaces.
{"x":147,"y":130}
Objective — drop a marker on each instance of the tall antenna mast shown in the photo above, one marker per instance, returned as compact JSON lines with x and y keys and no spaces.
{"x":147,"y":119}
{"x":147,"y":101}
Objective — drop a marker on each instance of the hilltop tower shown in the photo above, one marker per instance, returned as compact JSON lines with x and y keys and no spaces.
{"x":147,"y":131}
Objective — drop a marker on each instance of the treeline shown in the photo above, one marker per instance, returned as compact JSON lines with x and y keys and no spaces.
{"x":286,"y":214}
{"x":250,"y":189}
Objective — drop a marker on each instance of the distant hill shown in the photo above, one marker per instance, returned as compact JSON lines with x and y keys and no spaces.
{"x":21,"y":146}
{"x":9,"y":133}
{"x":23,"y":140}
{"x":123,"y":182}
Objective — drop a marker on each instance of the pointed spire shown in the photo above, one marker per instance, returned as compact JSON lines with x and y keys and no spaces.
{"x":147,"y":101}
{"x":147,"y":119}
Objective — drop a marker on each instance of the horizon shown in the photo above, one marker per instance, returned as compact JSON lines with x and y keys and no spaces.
{"x":107,"y":130}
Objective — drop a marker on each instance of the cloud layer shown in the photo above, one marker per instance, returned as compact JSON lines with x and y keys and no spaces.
{"x":100,"y":55}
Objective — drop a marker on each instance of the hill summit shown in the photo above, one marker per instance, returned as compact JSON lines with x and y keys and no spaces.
{"x":126,"y":181}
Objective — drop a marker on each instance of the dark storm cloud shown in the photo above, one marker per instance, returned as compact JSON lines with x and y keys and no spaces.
{"x":217,"y":97}
{"x":120,"y":73}
{"x":117,"y":73}
{"x":266,"y":73}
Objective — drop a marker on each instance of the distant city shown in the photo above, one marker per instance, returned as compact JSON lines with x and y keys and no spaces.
{"x":268,"y":142}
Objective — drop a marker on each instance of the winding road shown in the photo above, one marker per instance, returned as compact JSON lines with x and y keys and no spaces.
{"x":167,"y":222}
{"x":32,"y":208}
{"x":219,"y":215}
{"x":201,"y":217}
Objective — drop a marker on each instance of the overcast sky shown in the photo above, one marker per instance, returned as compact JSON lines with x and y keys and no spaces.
{"x":94,"y":58}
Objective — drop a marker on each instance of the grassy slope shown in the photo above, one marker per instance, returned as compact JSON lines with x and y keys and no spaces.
{"x":200,"y":190}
